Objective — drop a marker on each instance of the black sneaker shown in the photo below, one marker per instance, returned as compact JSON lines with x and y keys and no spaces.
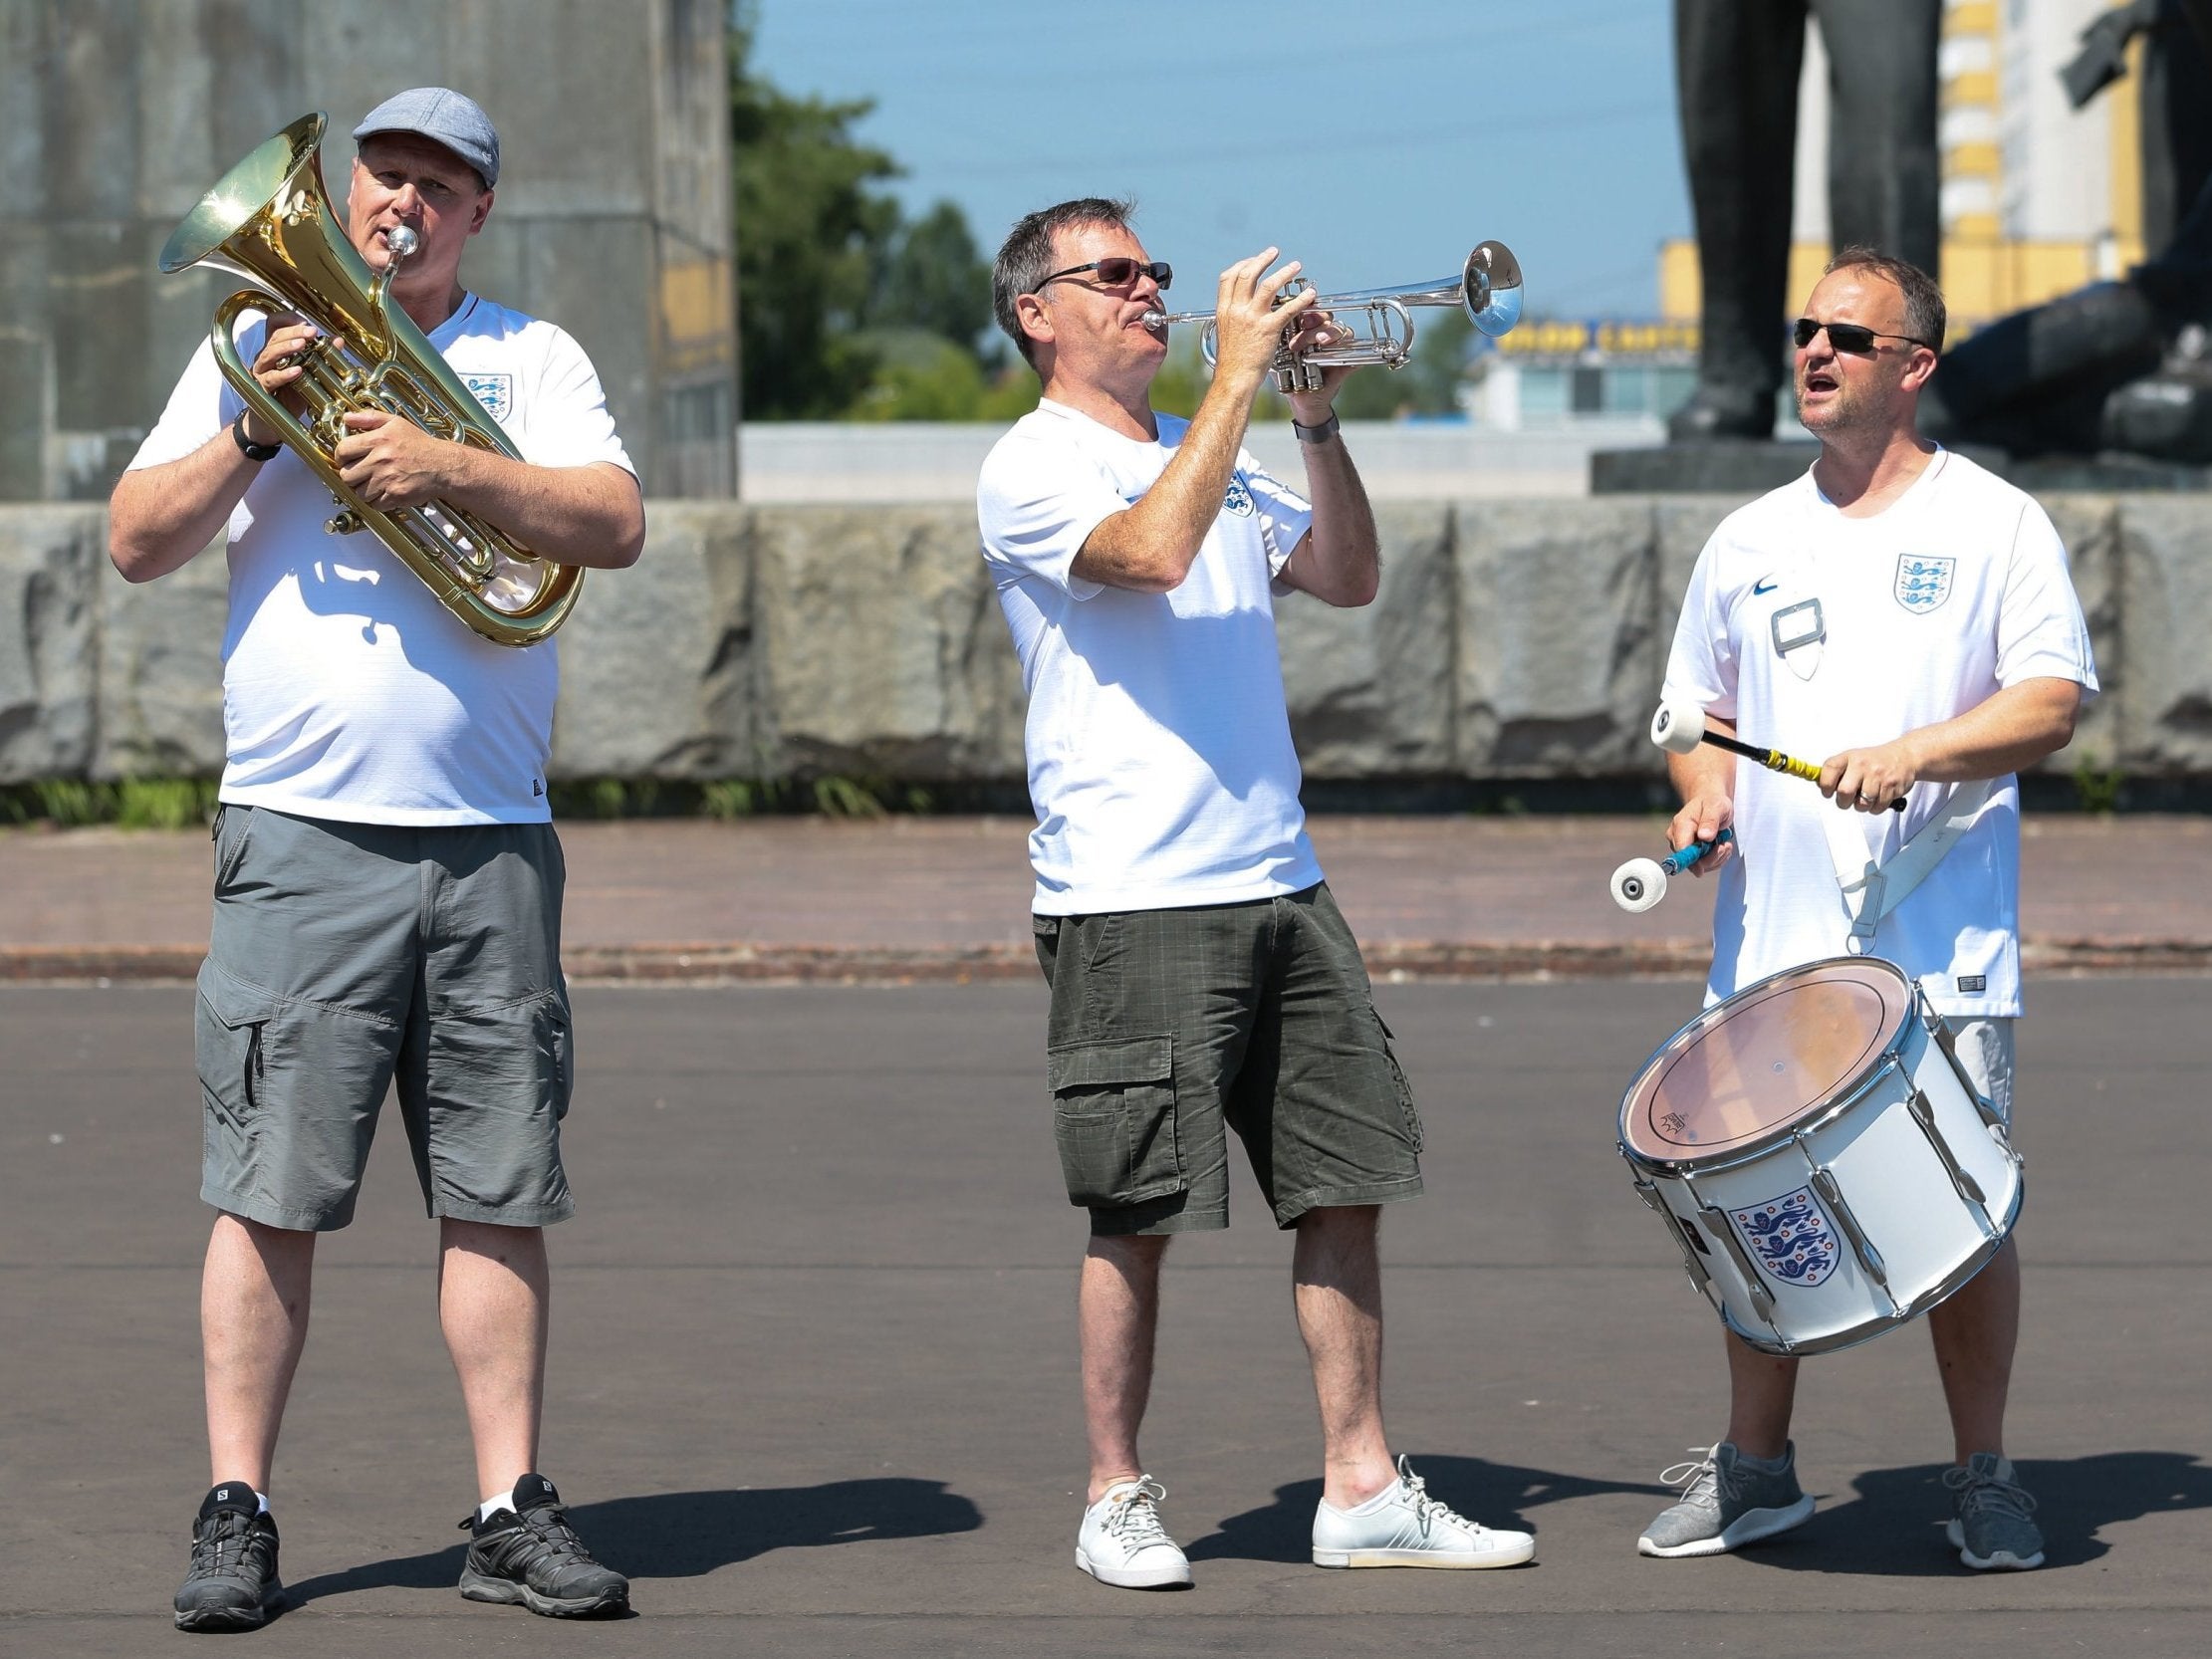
{"x":233,"y":1584}
{"x":532,"y":1555}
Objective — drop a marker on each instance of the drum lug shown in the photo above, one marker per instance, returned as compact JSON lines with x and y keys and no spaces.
{"x":1923,"y":1114}
{"x":1716,"y":1223}
{"x":1683,"y":1238}
{"x":1948,"y":1042}
{"x":1831,"y":1194}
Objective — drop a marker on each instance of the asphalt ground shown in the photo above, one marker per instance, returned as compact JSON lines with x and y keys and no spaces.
{"x":812,"y":1378}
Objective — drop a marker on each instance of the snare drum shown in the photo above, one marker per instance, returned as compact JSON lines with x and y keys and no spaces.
{"x":1824,"y":1162}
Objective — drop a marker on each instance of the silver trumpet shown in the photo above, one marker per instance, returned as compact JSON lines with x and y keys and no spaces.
{"x":1486,"y":288}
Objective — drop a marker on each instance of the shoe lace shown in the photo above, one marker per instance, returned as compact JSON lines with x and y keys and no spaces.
{"x":554,"y":1543}
{"x":1134,"y":1517}
{"x":1702,"y":1480}
{"x":1430,"y":1510}
{"x":220,"y":1542}
{"x":1988,"y":1494}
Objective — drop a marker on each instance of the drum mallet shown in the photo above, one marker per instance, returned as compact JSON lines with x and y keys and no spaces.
{"x":1679,"y":727}
{"x":1641,"y":883}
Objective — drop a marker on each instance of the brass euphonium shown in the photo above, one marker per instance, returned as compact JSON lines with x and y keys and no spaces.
{"x":270,"y":221}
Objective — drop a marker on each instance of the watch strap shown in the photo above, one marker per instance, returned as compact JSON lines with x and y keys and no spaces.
{"x":251,"y":450}
{"x":1315,"y":434}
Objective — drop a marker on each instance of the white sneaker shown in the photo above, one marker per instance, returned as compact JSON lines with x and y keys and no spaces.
{"x":1122,"y":1542}
{"x":1402,"y":1526}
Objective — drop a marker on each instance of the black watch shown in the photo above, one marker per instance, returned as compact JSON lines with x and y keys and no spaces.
{"x":253,"y":451}
{"x":1315,"y":434}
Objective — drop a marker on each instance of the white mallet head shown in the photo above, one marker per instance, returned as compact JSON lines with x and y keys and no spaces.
{"x":1638,"y":884}
{"x":1679,"y":726}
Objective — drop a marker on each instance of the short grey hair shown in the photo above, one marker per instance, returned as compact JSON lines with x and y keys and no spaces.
{"x":1925,"y":317}
{"x":1026,"y":256}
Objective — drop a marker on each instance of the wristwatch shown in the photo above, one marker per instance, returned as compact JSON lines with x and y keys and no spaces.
{"x":253,"y":451}
{"x":1315,"y":434}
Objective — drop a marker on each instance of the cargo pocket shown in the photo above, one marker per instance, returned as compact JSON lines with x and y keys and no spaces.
{"x":1406,"y":1109}
{"x":1113,"y":1114}
{"x":231,"y":832}
{"x":228,"y":1042}
{"x":556,"y":1048}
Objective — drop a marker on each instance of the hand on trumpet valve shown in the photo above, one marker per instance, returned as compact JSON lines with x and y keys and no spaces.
{"x":1251,"y":320}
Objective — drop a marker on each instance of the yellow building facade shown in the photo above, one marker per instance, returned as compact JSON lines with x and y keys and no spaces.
{"x":1997,"y":131}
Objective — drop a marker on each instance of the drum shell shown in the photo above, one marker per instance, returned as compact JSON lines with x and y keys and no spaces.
{"x":1907,"y":1168}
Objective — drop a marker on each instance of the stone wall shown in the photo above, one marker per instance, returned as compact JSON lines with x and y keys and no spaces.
{"x":1511,"y":639}
{"x":612,"y":215}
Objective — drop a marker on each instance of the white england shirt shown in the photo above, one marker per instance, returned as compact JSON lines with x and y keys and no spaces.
{"x":1812,"y":632}
{"x":1160,"y":763}
{"x":348,"y":691}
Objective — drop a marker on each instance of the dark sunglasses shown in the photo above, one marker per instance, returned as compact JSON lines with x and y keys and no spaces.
{"x":1845,"y":336}
{"x":1119,"y":272}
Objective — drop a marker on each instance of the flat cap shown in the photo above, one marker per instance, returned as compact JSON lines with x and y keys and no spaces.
{"x":444,"y":117}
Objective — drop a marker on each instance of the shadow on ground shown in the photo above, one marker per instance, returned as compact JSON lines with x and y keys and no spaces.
{"x":1893,"y":1525}
{"x":685,"y":1535}
{"x":1495,"y":1494}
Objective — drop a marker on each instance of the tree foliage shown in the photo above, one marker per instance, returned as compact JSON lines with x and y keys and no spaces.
{"x":833,"y":281}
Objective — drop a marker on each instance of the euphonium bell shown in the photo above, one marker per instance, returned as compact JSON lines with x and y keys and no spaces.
{"x":270,"y":221}
{"x":1486,"y":288}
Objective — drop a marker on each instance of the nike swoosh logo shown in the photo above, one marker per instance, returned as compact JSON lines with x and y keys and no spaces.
{"x":1762,"y":587}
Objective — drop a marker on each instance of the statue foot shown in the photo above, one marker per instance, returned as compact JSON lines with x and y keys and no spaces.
{"x":2166,"y":415}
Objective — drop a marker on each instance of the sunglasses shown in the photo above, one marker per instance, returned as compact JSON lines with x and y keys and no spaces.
{"x":1119,"y":272}
{"x":1845,"y":336}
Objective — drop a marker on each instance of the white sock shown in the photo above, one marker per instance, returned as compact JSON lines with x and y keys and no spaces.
{"x":492,"y":1505}
{"x":262,"y":1497}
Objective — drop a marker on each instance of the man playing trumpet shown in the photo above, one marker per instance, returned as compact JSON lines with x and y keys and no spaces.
{"x":388,"y":885}
{"x":1201,"y":976}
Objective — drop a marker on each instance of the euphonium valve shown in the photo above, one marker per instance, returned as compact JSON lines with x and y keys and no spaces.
{"x":270,"y":221}
{"x":1486,"y":288}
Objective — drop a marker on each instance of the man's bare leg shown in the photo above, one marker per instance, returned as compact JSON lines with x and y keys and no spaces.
{"x":1975,"y":1332}
{"x":254,"y":1296}
{"x":1337,"y":1282}
{"x":493,"y":1298}
{"x":1762,"y":1390}
{"x":1117,"y":1320}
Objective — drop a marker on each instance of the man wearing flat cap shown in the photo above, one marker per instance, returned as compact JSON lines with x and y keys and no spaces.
{"x":388,"y":885}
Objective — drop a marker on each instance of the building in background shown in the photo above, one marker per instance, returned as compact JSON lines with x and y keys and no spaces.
{"x":2038,"y":198}
{"x":613,"y":214}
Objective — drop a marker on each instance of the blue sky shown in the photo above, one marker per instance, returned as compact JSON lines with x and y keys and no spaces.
{"x":1377,"y":142}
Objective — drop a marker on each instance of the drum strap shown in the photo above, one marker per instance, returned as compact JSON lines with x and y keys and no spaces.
{"x":1869,"y":890}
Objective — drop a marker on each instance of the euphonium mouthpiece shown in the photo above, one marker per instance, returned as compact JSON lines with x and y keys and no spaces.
{"x":402,"y":241}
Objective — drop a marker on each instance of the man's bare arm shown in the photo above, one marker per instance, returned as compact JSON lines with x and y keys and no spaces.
{"x":2011,"y":728}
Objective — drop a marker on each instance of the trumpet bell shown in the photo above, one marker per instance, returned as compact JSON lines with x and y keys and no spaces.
{"x":1490,"y":289}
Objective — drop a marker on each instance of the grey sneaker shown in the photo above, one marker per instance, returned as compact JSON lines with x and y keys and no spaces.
{"x":1992,"y":1531}
{"x":1725,"y":1504}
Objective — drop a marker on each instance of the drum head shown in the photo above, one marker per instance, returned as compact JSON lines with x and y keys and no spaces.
{"x":1748,"y":1069}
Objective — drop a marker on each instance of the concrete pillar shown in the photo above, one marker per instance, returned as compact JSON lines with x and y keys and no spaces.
{"x":612,"y":216}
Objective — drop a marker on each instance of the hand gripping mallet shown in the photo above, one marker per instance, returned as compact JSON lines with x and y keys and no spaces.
{"x":1641,"y":883}
{"x":1679,"y":727}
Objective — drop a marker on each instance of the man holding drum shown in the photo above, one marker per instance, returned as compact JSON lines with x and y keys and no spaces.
{"x":1201,"y":975}
{"x":1907,"y":615}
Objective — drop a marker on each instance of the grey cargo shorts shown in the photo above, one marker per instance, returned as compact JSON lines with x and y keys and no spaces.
{"x":345,"y":956}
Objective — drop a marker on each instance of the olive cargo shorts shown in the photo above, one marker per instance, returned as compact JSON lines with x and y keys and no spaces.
{"x":1168,"y":1024}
